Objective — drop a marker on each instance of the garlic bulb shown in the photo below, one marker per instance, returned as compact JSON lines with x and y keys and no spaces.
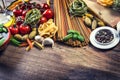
{"x":39,"y":39}
{"x":48,"y":42}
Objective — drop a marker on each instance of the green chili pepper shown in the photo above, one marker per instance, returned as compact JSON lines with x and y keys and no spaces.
{"x":73,"y":32}
{"x":75,"y":37}
{"x":14,"y":41}
{"x":2,"y":41}
{"x":80,"y":38}
{"x":66,"y":38}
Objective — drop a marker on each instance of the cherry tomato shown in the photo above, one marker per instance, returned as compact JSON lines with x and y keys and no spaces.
{"x":45,"y":6}
{"x":24,"y":29}
{"x":17,"y":12}
{"x":14,"y":29}
{"x":24,"y":12}
{"x":43,"y":20}
{"x":20,"y":20}
{"x":48,"y":13}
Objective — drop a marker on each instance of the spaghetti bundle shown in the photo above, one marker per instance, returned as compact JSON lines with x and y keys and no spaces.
{"x":66,"y":22}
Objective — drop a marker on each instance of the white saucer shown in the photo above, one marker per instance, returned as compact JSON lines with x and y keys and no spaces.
{"x":118,"y":27}
{"x":104,"y":46}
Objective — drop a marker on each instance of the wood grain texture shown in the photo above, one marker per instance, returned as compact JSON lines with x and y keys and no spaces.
{"x":60,"y":63}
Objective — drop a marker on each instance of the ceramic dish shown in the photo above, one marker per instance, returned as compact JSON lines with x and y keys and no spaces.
{"x":101,"y":45}
{"x":7,"y":39}
{"x":118,"y":27}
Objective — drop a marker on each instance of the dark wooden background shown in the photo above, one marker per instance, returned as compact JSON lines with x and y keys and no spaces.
{"x":60,"y":63}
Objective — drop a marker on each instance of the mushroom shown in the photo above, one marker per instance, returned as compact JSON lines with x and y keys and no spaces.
{"x":48,"y":42}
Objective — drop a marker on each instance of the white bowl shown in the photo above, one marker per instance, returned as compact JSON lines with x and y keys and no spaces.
{"x":108,"y":45}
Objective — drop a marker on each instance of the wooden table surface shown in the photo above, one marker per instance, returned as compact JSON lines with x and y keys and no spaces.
{"x":60,"y":63}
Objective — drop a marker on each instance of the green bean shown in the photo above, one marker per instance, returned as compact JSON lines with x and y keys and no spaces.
{"x":80,"y":38}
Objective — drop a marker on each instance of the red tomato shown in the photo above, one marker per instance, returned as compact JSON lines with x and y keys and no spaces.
{"x":14,"y":30}
{"x":48,"y":13}
{"x":17,"y":12}
{"x":45,"y":6}
{"x":43,"y":20}
{"x":24,"y":29}
{"x":24,"y":12}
